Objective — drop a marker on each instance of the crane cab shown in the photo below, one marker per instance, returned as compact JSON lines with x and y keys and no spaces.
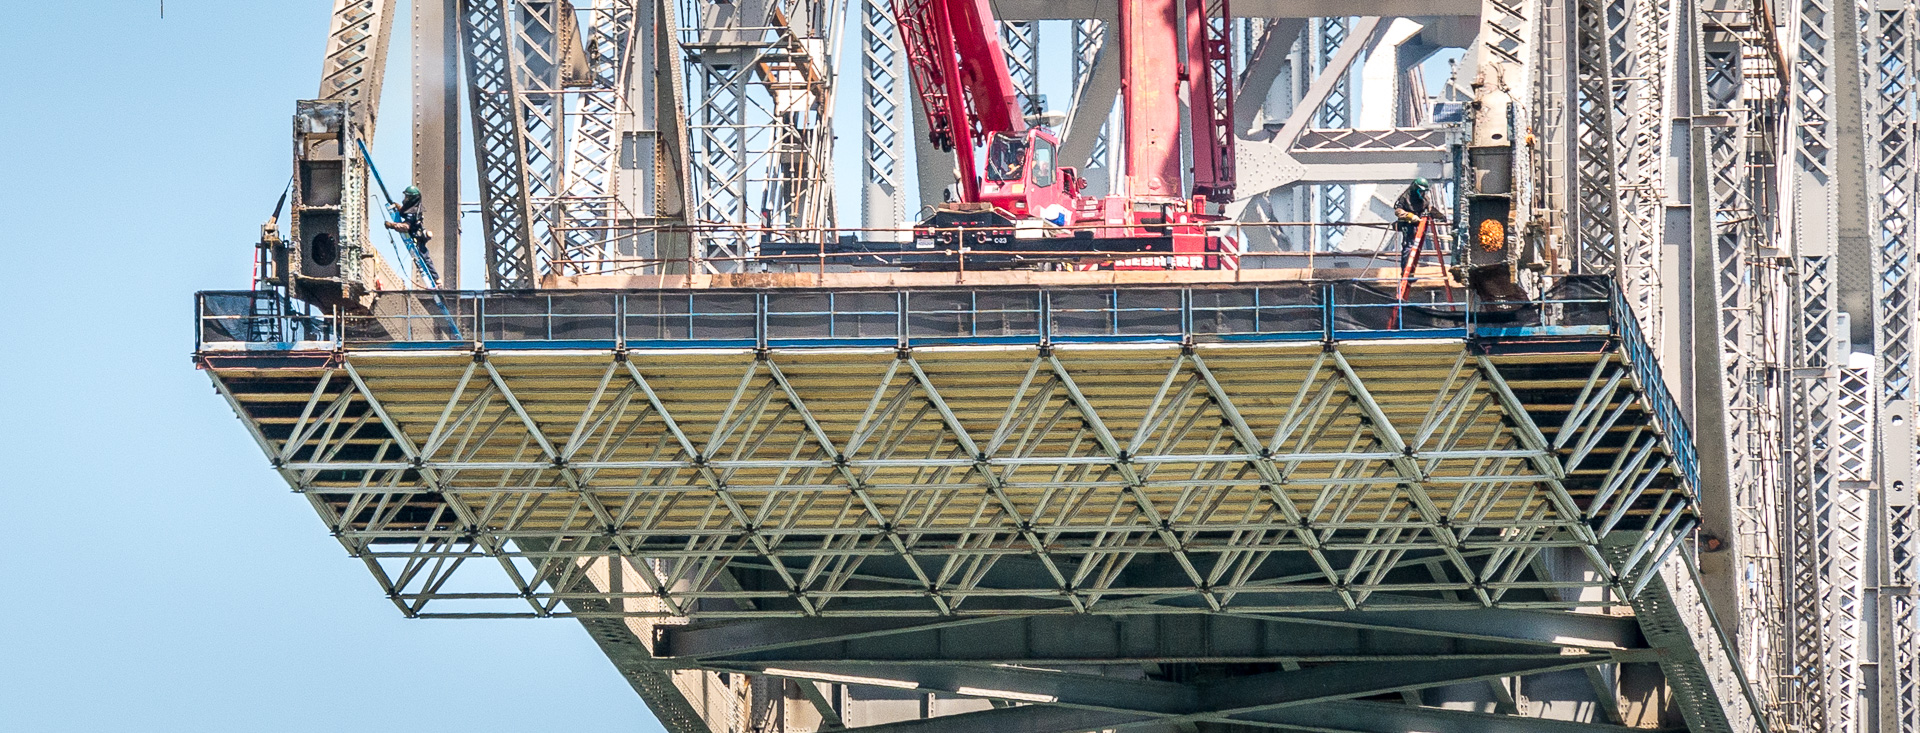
{"x":1023,"y":178}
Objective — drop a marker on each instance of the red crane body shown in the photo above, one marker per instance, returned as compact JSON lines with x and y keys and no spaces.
{"x":1173,"y":53}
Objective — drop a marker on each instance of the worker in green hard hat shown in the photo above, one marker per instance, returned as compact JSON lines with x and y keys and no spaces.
{"x":1415,"y":204}
{"x":409,"y":218}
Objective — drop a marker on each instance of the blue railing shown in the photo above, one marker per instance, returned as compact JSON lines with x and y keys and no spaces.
{"x":1646,"y":369}
{"x":1304,"y":310}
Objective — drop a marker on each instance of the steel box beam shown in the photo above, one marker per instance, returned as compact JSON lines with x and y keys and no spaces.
{"x":1181,"y":637}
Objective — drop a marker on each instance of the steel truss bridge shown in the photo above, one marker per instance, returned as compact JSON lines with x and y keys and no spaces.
{"x":1672,"y":489}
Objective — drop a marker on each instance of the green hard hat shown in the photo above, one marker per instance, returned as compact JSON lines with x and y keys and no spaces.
{"x":411,"y":192}
{"x":1420,"y":183}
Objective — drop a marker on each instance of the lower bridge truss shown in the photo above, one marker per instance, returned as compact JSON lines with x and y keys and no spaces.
{"x":1496,"y":504}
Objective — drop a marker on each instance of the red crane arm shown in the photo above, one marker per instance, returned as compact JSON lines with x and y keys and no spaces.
{"x":953,"y":52}
{"x":1210,"y":90}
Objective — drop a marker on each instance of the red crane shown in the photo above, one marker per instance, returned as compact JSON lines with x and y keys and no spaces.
{"x":1016,"y":198}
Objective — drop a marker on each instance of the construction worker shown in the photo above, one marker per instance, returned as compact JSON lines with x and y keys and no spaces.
{"x":1414,"y":204}
{"x":411,"y":219}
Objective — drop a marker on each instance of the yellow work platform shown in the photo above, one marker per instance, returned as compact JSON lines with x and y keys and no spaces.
{"x":1397,"y":455}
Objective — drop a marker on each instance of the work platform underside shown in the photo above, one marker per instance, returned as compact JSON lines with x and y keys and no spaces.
{"x":1299,"y":505}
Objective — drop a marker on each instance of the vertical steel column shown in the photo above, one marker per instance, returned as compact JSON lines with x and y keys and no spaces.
{"x":1596,"y":224}
{"x":883,"y":117}
{"x":595,"y":111}
{"x":1842,"y":519}
{"x":436,"y":130}
{"x":760,"y":124}
{"x":650,"y":180}
{"x":538,"y":53}
{"x":1721,"y":77}
{"x":498,"y":138}
{"x":1820,"y":29}
{"x":720,"y":160}
{"x":1730,"y":210}
{"x":1753,"y":297}
{"x":721,"y":43}
{"x":1891,"y":83}
{"x":1335,"y":113}
{"x":1640,"y":44}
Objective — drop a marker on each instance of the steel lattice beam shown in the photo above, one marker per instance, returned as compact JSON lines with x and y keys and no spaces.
{"x":760,"y":122}
{"x":883,"y":112}
{"x":499,"y":136}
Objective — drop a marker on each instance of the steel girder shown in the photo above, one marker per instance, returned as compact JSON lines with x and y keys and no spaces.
{"x":355,"y":69}
{"x":1078,"y":662}
{"x":1090,"y":639}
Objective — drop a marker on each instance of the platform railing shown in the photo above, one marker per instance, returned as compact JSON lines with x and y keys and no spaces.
{"x":1646,"y":369}
{"x":1303,"y":310}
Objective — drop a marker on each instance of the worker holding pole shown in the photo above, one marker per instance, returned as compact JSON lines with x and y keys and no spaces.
{"x":409,"y":218}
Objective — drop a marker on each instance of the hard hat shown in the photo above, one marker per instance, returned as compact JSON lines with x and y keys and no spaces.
{"x":1420,"y":183}
{"x":411,"y":192}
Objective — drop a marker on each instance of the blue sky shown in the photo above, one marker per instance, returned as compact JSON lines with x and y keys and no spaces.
{"x":157,"y":576}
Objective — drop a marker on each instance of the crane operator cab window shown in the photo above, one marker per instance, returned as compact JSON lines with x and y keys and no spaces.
{"x":1042,"y":162}
{"x":1006,"y":158}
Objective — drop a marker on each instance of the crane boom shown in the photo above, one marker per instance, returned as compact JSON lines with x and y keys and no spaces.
{"x":1150,"y":34}
{"x":953,"y":52}
{"x":1210,"y":96}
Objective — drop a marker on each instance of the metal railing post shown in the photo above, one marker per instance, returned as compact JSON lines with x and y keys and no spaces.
{"x":1045,"y":303}
{"x":1186,"y":314}
{"x":1326,"y":312}
{"x":760,"y":320}
{"x":901,"y":301}
{"x":620,"y":320}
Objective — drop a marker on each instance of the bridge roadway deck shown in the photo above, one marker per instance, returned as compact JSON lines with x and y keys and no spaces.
{"x":1303,"y":479}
